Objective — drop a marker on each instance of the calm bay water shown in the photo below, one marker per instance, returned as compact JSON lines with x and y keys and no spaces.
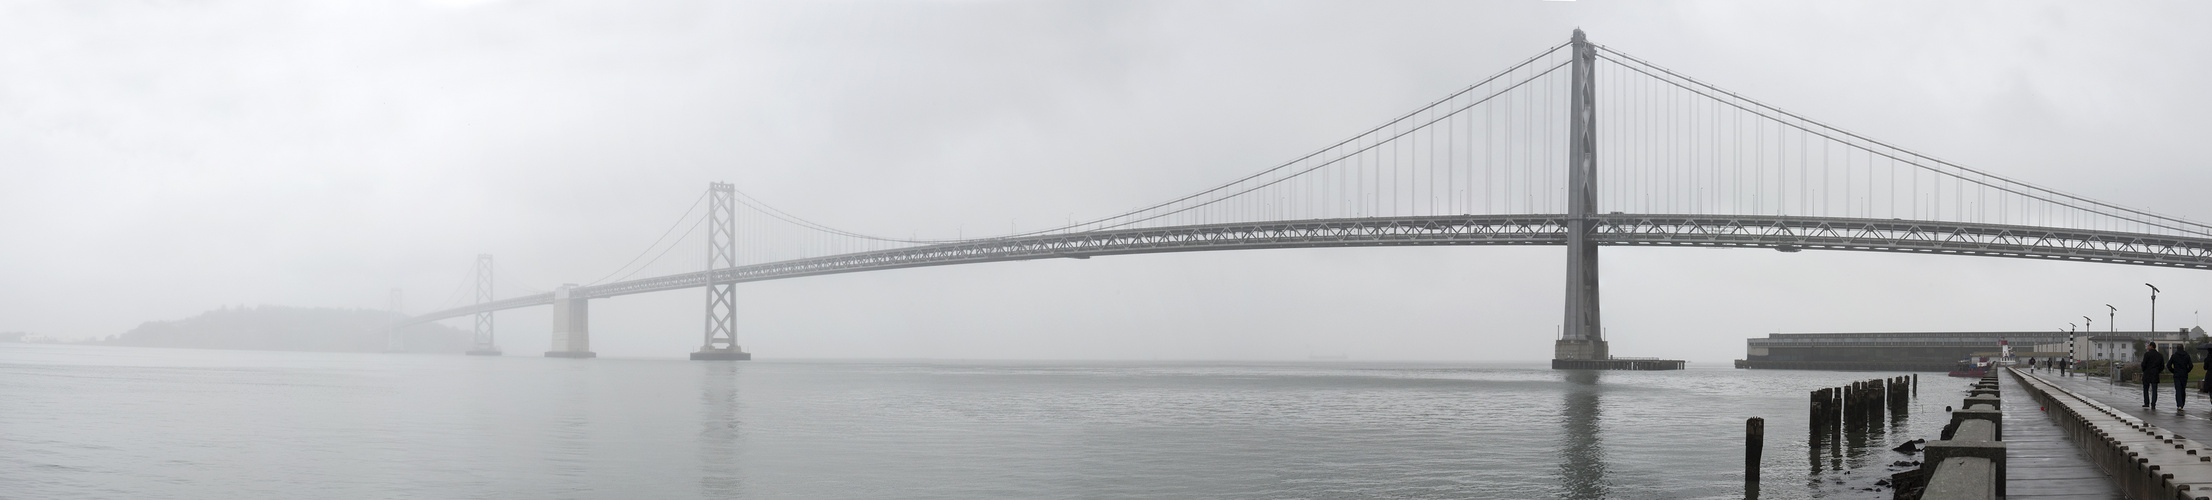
{"x":111,"y":422}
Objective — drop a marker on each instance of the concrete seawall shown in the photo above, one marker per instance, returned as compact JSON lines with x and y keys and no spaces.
{"x":1969,"y":462}
{"x":1885,"y":366}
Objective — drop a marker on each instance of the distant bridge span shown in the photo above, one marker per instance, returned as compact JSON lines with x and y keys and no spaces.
{"x":1786,"y":233}
{"x":1514,"y":159}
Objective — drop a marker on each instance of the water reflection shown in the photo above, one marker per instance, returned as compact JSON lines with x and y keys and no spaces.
{"x":718,"y":431}
{"x":1582,"y":459}
{"x":570,"y":438}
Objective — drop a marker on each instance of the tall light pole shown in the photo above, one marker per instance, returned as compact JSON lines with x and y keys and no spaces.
{"x":2114,"y":313}
{"x":2154,"y":308}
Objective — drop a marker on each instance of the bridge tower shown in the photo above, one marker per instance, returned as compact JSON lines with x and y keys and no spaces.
{"x":482,"y":343}
{"x":1581,"y":336}
{"x":721,"y":337}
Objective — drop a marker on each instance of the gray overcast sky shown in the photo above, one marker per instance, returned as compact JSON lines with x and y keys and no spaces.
{"x":158,"y":159}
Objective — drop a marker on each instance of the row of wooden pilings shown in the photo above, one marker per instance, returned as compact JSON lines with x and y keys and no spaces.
{"x":1861,"y":404}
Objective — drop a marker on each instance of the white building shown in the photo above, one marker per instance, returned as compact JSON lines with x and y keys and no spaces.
{"x":2119,"y":348}
{"x":2092,"y":347}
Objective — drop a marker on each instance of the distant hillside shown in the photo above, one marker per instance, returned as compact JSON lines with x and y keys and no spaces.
{"x":279,"y":328}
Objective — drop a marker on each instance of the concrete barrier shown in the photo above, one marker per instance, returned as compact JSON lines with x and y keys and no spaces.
{"x":1962,"y":478}
{"x":1980,"y":413}
{"x":1968,"y":463}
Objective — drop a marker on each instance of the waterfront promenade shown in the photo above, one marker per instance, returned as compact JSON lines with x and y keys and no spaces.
{"x":2041,"y":463}
{"x":2193,"y":421}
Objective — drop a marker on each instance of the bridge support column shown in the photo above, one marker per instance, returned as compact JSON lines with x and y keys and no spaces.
{"x":1581,"y":335}
{"x":721,"y":342}
{"x":571,"y":325}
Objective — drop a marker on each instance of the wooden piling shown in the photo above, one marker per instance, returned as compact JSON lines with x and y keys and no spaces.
{"x":1835,"y":404}
{"x":1755,"y":437}
{"x":1850,"y":408}
{"x":1818,"y":420}
{"x":1881,"y":401}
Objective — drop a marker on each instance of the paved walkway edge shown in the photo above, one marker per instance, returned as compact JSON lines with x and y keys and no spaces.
{"x":2148,"y":462}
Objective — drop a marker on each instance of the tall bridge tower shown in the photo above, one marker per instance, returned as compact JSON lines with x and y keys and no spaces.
{"x":721,"y":337}
{"x":1581,"y":336}
{"x":482,"y":343}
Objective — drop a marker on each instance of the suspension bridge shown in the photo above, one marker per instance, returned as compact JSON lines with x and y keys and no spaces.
{"x":1580,"y":145}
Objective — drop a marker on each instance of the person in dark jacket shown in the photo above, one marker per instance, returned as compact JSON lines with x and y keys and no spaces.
{"x":2207,"y":356}
{"x":2153,"y":363}
{"x":2180,"y":365}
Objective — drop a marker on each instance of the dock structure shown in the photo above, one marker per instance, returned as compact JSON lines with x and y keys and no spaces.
{"x":1618,"y":364}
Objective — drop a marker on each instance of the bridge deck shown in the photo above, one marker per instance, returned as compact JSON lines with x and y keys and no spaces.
{"x":1786,"y":233}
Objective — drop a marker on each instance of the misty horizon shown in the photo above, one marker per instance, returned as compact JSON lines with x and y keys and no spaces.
{"x":170,"y":160}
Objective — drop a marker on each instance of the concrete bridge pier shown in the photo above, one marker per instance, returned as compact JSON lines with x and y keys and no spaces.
{"x":571,"y":325}
{"x":1581,"y":349}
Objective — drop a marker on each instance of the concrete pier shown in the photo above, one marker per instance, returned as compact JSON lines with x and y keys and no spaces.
{"x":1617,"y":364}
{"x":721,"y":355}
{"x":1580,"y":349}
{"x":571,"y":325}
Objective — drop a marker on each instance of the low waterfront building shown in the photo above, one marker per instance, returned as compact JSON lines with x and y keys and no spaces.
{"x":1926,"y":351}
{"x":1906,"y":351}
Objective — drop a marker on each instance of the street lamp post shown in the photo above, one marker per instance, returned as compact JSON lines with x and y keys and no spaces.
{"x":2109,"y":315}
{"x":2154,"y":308}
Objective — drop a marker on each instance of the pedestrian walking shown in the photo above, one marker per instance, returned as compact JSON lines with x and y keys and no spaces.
{"x":2180,"y":365}
{"x":2207,"y":356}
{"x":2153,"y":363}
